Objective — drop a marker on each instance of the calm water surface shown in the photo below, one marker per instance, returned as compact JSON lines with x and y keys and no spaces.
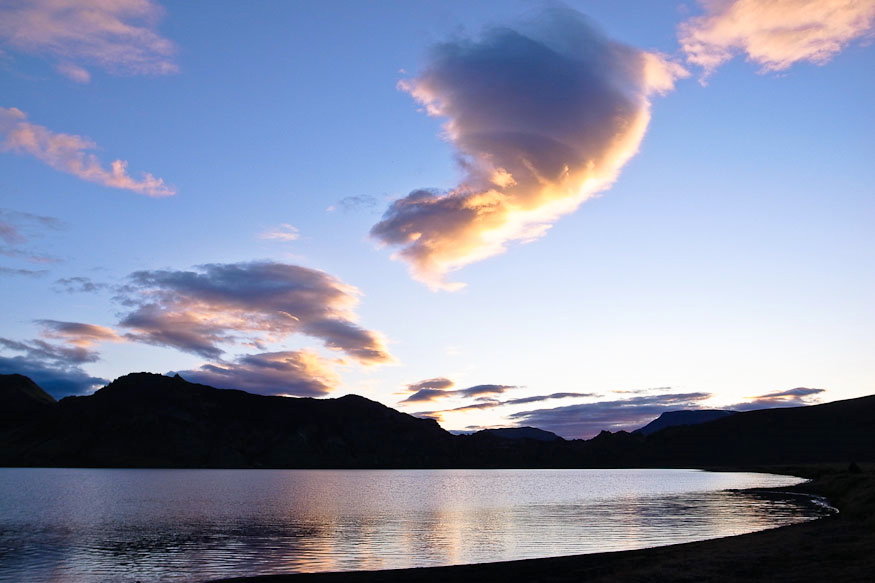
{"x":84,"y":525}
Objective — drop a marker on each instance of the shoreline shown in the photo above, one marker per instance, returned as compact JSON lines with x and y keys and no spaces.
{"x":837,"y":546}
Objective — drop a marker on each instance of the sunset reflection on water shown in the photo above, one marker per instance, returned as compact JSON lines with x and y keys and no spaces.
{"x":83,"y":525}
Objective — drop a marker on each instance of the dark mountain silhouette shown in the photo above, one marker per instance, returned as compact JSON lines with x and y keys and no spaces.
{"x":684,"y":417}
{"x":149,"y":420}
{"x":21,"y":398}
{"x":521,"y":433}
{"x":831,"y":432}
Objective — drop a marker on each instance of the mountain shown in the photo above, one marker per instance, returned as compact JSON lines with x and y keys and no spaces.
{"x":149,"y":420}
{"x":21,"y":398}
{"x":840,"y":431}
{"x":521,"y":433}
{"x":684,"y":417}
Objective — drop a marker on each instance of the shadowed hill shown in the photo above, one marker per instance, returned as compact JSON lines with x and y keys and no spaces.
{"x":685,"y":417}
{"x":20,"y":398}
{"x":520,"y":433}
{"x":837,"y":431}
{"x":150,"y":420}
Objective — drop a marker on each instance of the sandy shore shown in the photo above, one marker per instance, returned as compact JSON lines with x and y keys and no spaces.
{"x":834,"y":549}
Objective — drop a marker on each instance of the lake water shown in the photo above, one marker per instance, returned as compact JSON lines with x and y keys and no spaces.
{"x":89,"y":525}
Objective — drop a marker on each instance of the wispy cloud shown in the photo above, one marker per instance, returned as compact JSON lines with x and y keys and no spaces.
{"x":78,"y":334}
{"x":294,"y":373}
{"x":70,"y":153}
{"x":543,"y":118}
{"x":489,"y":402}
{"x":17,"y":229}
{"x":588,"y":419}
{"x":354,"y":203}
{"x":774,"y":34}
{"x":284,"y":232}
{"x":78,"y":284}
{"x":118,"y":36}
{"x":247,"y":303}
{"x":8,"y":271}
{"x":440,"y":388}
{"x":797,"y":397}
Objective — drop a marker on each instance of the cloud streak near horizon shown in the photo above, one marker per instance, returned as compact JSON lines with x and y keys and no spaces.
{"x":57,"y":369}
{"x":542,"y":118}
{"x":437,"y":388}
{"x":798,"y":397}
{"x":587,"y":419}
{"x":71,"y":154}
{"x":117,"y":36}
{"x":301,"y":373}
{"x":774,"y":34}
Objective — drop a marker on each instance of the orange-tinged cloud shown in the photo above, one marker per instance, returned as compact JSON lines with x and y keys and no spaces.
{"x":254,"y":304}
{"x":775,"y":34}
{"x":300,"y":373}
{"x":116,"y":35}
{"x":69,"y":153}
{"x":542,"y":121}
{"x":79,"y":334}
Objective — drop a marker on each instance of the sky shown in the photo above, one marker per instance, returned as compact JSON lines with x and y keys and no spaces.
{"x":570,"y":215}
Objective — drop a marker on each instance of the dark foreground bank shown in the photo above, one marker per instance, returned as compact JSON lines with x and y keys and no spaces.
{"x":839,"y":548}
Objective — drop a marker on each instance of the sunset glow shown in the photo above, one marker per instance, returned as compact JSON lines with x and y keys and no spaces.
{"x":486,"y":213}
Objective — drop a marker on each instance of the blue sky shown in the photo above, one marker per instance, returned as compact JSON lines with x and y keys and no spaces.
{"x":727,"y":255}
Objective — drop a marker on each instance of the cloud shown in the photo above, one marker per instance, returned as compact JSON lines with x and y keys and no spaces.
{"x":246,"y":303}
{"x":78,"y":285}
{"x":429,"y":390}
{"x":69,"y":153}
{"x":18,"y":228}
{"x":354,"y":203}
{"x":117,"y":36}
{"x":491,"y":403}
{"x":7,"y":271}
{"x":587,"y":419}
{"x":55,"y":368}
{"x":542,"y":120}
{"x":774,"y":34}
{"x":31,"y":256}
{"x":479,"y":390}
{"x":439,"y":388}
{"x":797,"y":397}
{"x":39,"y":350}
{"x":439,"y":383}
{"x":284,"y":232}
{"x":295,"y":373}
{"x":77,"y":333}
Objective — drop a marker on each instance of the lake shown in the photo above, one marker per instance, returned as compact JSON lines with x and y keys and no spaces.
{"x":107,"y":525}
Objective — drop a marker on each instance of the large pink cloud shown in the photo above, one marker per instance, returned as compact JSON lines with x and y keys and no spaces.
{"x":542,"y":118}
{"x":71,"y":154}
{"x":775,"y":34}
{"x":117,"y":36}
